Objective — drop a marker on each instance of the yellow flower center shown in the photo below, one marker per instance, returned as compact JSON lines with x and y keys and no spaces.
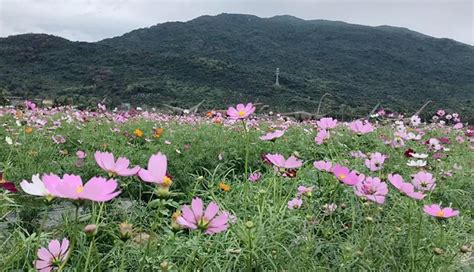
{"x":176,"y":215}
{"x":241,"y":113}
{"x":440,"y":214}
{"x":80,"y":189}
{"x":341,"y":176}
{"x":167,"y":181}
{"x":112,"y":174}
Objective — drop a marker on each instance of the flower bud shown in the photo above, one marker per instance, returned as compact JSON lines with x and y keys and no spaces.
{"x":126,"y":230}
{"x":90,"y":229}
{"x":164,"y":266}
{"x":465,"y":249}
{"x":438,"y":251}
{"x":249,"y":224}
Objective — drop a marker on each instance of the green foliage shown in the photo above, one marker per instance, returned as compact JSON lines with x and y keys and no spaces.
{"x":396,"y":236}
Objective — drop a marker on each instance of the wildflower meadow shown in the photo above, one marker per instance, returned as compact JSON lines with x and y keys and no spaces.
{"x":233,"y":190}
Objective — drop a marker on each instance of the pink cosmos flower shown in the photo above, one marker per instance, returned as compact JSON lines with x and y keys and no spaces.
{"x":404,"y":187}
{"x":329,"y":208}
{"x":460,"y":139}
{"x":424,"y":181}
{"x":272,"y":135}
{"x":279,"y":161}
{"x":458,"y":126}
{"x":358,"y":154}
{"x":361,"y":127}
{"x":52,"y":257}
{"x":255,"y":176}
{"x":241,"y":111}
{"x":81,"y":154}
{"x":436,"y":211}
{"x":321,"y":136}
{"x":373,"y":189}
{"x":375,"y":162}
{"x":71,"y":187}
{"x":346,"y":176}
{"x":156,"y":172}
{"x":209,"y":221}
{"x":440,"y":112}
{"x":58,"y":139}
{"x":303,"y":190}
{"x":323,"y":165}
{"x":106,"y":161}
{"x":327,"y":123}
{"x":295,"y":203}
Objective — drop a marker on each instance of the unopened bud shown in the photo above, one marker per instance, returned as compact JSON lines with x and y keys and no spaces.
{"x":249,"y":224}
{"x":438,"y":251}
{"x":90,"y":229}
{"x":164,"y":266}
{"x":126,"y":230}
{"x":465,"y":249}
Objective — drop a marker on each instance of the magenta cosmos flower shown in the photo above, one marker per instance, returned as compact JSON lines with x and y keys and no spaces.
{"x":241,"y":111}
{"x":52,"y":257}
{"x":107,"y":162}
{"x":71,"y":187}
{"x":436,"y":211}
{"x":156,"y":172}
{"x":373,"y":189}
{"x":404,"y":187}
{"x":323,"y":165}
{"x":272,"y":135}
{"x":424,"y":181}
{"x":361,"y":127}
{"x":210,"y":221}
{"x":346,"y":176}
{"x":327,"y":123}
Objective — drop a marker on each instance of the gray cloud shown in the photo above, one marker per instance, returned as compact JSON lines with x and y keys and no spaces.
{"x":92,"y":20}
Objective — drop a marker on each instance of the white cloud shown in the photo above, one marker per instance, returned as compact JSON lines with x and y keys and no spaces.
{"x":92,"y":20}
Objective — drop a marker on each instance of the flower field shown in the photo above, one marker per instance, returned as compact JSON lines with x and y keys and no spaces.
{"x":232,"y":190}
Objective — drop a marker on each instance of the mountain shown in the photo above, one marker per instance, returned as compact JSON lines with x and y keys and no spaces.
{"x":230,"y":58}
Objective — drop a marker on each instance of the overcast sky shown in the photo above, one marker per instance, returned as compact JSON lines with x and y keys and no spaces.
{"x":93,"y":20}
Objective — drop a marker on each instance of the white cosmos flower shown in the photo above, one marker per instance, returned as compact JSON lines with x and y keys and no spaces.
{"x":36,"y":188}
{"x":8,"y":140}
{"x":413,"y":136}
{"x":417,"y":163}
{"x":419,"y":156}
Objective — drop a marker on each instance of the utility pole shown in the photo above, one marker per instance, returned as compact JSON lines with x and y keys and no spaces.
{"x":277,"y":74}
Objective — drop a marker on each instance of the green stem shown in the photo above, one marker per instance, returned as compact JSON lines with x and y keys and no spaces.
{"x":417,"y":241}
{"x":250,"y":260}
{"x":74,"y":237}
{"x":246,"y":148}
